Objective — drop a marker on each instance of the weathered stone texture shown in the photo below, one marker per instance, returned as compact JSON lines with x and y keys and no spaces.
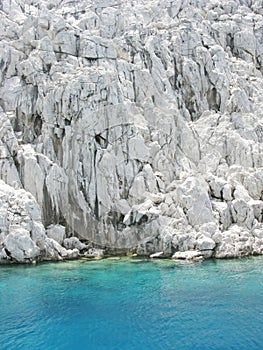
{"x":136,"y":125}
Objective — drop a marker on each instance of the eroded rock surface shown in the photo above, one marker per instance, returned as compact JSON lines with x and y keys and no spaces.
{"x":23,"y":238}
{"x":135,"y":125}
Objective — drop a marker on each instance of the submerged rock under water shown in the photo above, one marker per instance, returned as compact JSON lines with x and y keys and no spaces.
{"x":136,"y":127}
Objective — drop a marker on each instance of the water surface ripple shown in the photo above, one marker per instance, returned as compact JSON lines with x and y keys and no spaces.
{"x":132,"y":304}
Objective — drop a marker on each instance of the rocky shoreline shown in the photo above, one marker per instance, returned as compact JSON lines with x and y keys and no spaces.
{"x":132,"y":125}
{"x":25,"y":240}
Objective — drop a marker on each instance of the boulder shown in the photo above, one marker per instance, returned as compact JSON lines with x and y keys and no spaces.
{"x":205,"y":243}
{"x":157,"y":255}
{"x":54,"y":251}
{"x":72,"y":254}
{"x":188,"y":255}
{"x":94,"y":253}
{"x":20,"y":247}
{"x":56,"y":232}
{"x":73,"y":242}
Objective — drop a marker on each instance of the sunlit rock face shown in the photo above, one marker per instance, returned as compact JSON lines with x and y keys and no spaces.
{"x":137,"y":125}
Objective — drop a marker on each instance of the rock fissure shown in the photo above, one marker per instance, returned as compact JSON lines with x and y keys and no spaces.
{"x":137,"y":127}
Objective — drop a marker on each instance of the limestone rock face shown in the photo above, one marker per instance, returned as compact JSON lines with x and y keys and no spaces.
{"x":23,"y":238}
{"x":137,"y":126}
{"x":22,"y":233}
{"x":20,"y":246}
{"x":56,"y":232}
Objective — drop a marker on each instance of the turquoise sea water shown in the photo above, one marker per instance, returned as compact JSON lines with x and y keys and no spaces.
{"x":132,"y":304}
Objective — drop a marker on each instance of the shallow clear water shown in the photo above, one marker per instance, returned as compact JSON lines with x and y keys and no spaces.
{"x":132,"y":304}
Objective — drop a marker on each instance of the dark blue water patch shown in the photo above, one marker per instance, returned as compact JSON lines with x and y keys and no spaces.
{"x":132,"y":305}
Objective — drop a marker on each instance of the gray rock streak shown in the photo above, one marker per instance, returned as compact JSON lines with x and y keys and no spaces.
{"x":134,"y":126}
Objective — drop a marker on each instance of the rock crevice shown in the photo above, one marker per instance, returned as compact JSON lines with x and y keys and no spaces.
{"x":136,"y":126}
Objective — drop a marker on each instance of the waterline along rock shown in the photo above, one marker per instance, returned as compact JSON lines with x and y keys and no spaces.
{"x":134,"y":126}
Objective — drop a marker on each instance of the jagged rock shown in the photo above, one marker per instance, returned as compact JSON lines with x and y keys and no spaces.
{"x":242,"y":213}
{"x":224,"y":213}
{"x":156,"y":198}
{"x":56,"y":232}
{"x":53,"y":250}
{"x":193,"y":196}
{"x":208,"y":229}
{"x":237,"y":242}
{"x":205,"y":243}
{"x":226,"y":250}
{"x":72,"y":254}
{"x":141,"y":213}
{"x":94,"y":253}
{"x":20,"y":247}
{"x":134,"y":125}
{"x":74,"y":243}
{"x":22,"y":236}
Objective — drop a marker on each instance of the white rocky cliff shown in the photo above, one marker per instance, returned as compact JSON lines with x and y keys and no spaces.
{"x":135,"y":125}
